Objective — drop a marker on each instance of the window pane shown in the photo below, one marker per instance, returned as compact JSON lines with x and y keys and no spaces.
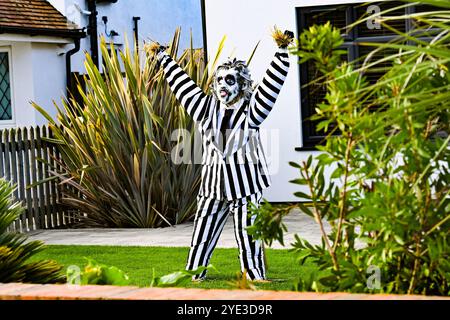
{"x":315,"y":94}
{"x":5,"y":88}
{"x":336,"y":16}
{"x":427,"y":8}
{"x":375,"y":72}
{"x":422,"y":8}
{"x":368,"y":29}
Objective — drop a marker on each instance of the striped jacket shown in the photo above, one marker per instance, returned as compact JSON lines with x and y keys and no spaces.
{"x":239,"y":169}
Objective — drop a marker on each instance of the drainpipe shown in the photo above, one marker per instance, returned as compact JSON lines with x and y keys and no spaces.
{"x":205,"y":42}
{"x":136,"y":32}
{"x":68,"y":64}
{"x":92,"y":30}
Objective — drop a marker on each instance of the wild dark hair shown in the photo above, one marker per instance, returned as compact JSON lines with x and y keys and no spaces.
{"x":244,"y":79}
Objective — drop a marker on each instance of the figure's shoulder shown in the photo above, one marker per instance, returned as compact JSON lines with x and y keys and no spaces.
{"x":212,"y":108}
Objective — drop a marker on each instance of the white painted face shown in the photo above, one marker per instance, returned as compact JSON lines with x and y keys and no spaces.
{"x":226,"y":85}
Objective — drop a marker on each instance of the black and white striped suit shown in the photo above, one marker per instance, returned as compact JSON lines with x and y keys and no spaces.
{"x":210,"y":219}
{"x":234,"y":172}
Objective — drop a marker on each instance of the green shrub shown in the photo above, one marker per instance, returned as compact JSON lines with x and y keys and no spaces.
{"x":177,"y":278}
{"x":15,"y":250}
{"x":116,"y":146}
{"x":97,"y":273}
{"x":101,"y":274}
{"x":388,"y":198}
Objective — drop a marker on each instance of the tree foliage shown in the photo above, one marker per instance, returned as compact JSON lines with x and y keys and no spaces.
{"x":382,"y":180}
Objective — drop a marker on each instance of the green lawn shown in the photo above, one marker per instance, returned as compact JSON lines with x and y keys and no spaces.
{"x":138,"y":263}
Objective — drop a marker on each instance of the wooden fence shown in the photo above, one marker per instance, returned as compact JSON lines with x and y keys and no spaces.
{"x":26,"y":158}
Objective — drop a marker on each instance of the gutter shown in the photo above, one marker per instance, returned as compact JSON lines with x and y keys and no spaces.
{"x":64,"y":33}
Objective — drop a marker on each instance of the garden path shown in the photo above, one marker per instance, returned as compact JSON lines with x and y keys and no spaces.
{"x":176,"y":236}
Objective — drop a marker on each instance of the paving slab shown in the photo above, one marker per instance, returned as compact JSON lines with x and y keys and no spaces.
{"x":176,"y":236}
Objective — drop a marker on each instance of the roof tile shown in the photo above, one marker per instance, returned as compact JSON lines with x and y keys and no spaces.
{"x":31,"y":14}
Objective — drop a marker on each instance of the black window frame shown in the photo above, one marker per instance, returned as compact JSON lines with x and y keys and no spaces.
{"x":11,"y":119}
{"x":310,"y":139}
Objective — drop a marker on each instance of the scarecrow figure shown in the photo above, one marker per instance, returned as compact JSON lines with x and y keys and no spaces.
{"x":234,"y":169}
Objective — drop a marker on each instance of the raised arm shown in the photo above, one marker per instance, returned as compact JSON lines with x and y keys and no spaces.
{"x":190,"y":96}
{"x":266,"y":93}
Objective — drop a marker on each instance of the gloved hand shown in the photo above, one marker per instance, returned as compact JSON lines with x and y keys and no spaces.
{"x":282,"y":39}
{"x":289,"y":34}
{"x":160,"y":48}
{"x":155,"y":48}
{"x":157,"y":51}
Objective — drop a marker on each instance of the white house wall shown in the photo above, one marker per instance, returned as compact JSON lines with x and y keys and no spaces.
{"x":245,"y":23}
{"x":37,"y":74}
{"x":159,"y":19}
{"x":49,"y":79}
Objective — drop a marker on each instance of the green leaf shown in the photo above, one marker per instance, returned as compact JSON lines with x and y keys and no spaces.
{"x":309,"y":161}
{"x":302,"y":195}
{"x":325,"y":159}
{"x":114,"y":276}
{"x":305,"y":209}
{"x":299,"y":181}
{"x":178,"y":277}
{"x":338,"y":172}
{"x":303,"y":255}
{"x":399,"y":240}
{"x":294,"y":164}
{"x":423,"y":153}
{"x":173,"y":279}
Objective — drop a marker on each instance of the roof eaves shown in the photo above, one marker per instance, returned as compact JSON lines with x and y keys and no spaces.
{"x":64,"y":33}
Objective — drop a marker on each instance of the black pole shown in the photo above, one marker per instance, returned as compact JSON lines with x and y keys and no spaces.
{"x":136,"y":32}
{"x":92,"y":30}
{"x":205,"y":46}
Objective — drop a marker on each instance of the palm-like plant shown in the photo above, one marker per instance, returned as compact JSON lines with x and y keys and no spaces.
{"x":15,"y":250}
{"x":116,"y":146}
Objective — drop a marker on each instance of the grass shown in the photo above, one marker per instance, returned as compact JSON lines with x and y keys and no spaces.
{"x":139,"y":262}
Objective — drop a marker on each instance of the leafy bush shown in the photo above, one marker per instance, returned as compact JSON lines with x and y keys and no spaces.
{"x":116,"y":146}
{"x":177,"y":278}
{"x":388,"y":198}
{"x":97,"y":273}
{"x":15,"y":250}
{"x":101,"y":274}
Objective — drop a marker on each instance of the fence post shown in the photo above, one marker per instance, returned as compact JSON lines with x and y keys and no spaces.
{"x":27,"y":169}
{"x":20,"y":177}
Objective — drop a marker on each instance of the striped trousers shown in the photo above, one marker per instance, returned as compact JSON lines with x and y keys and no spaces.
{"x":209,"y":221}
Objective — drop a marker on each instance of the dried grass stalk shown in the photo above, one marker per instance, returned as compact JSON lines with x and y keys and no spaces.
{"x":151,"y":47}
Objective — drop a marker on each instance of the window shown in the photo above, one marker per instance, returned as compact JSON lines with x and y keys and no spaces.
{"x":5,"y":87}
{"x":340,"y":16}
